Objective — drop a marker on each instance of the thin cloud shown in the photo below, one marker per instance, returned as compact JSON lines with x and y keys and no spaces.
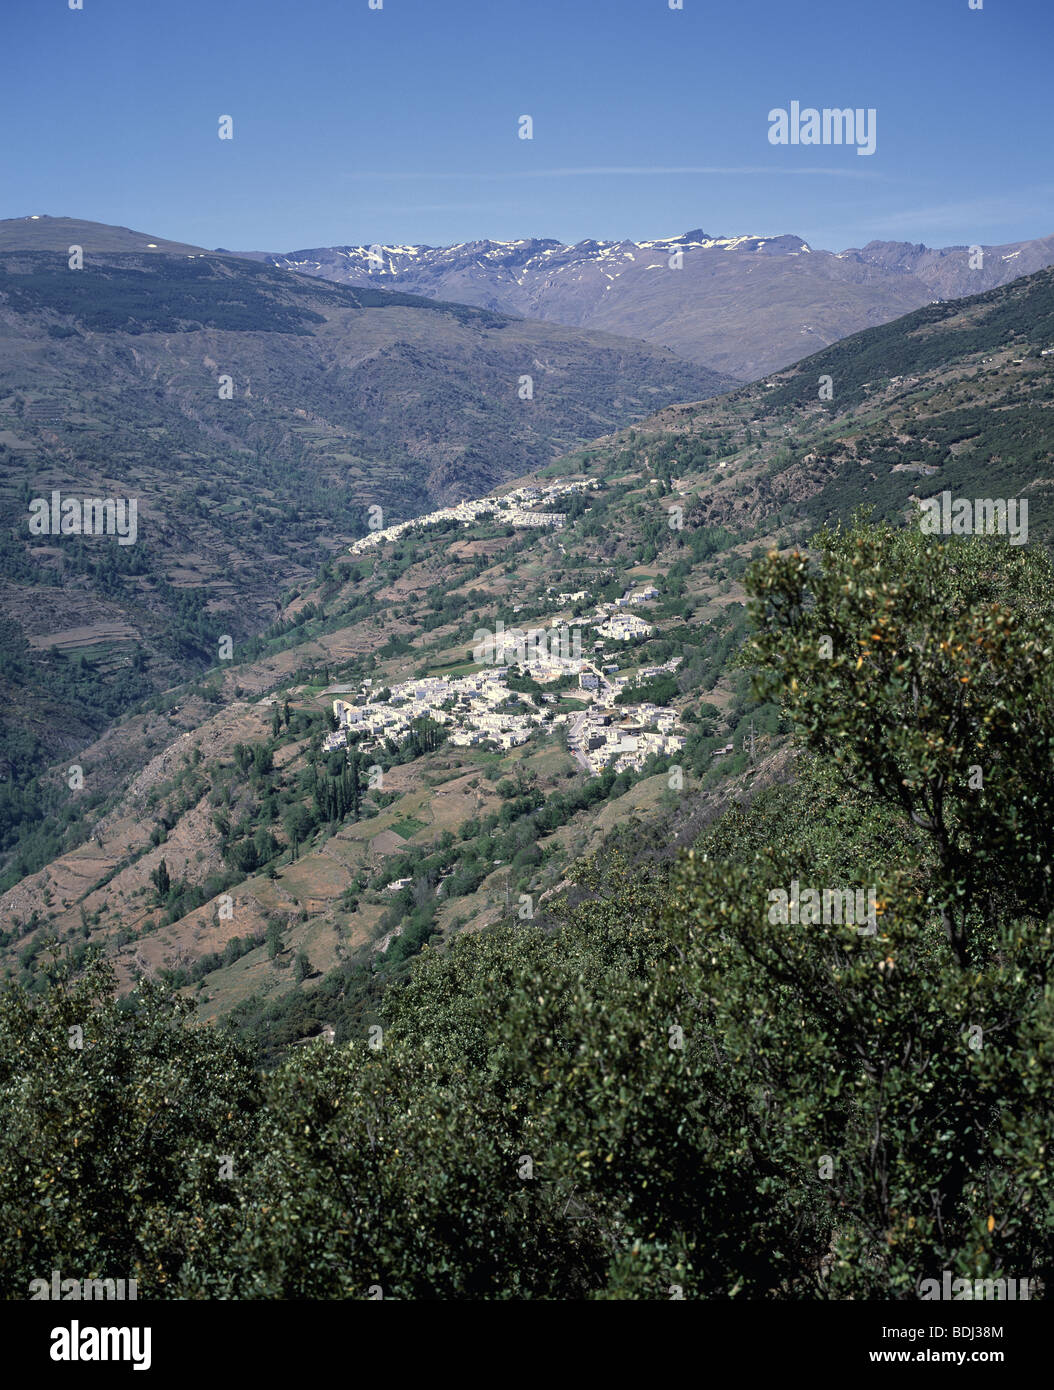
{"x":981,"y":212}
{"x":619,"y":170}
{"x":437,"y":207}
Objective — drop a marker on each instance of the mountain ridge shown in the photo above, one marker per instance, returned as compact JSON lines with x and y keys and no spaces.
{"x":743,"y":305}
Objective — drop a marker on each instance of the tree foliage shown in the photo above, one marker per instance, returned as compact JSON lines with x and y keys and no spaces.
{"x":672,"y":1088}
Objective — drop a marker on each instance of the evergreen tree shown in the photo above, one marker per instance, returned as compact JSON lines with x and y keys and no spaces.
{"x":161,"y":880}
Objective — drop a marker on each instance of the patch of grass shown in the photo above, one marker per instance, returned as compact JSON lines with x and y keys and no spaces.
{"x":407,"y":826}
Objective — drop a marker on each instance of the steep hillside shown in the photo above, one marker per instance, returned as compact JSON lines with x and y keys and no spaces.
{"x":745,"y":305}
{"x":283,"y":869}
{"x":255,"y":417}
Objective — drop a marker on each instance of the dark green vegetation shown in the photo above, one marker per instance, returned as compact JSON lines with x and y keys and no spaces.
{"x":1019,"y":315}
{"x":679,"y":1091}
{"x":127,"y":299}
{"x":955,"y":396}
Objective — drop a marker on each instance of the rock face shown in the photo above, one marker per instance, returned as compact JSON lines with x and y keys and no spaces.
{"x":743,"y":305}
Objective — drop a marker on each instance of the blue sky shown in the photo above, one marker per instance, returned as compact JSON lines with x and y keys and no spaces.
{"x":399,"y":125}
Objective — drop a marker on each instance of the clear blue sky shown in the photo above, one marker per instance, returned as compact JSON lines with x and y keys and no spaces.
{"x":354,"y":125}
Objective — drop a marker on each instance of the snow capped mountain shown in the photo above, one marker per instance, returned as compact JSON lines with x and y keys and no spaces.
{"x":378,"y":262}
{"x":744,"y":305}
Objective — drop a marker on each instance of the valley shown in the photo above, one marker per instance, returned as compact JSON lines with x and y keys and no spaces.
{"x":526,"y":732}
{"x":467,"y":704}
{"x":254,"y":421}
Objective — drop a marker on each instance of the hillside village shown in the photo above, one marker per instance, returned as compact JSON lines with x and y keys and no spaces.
{"x":515,"y":508}
{"x":481,"y":708}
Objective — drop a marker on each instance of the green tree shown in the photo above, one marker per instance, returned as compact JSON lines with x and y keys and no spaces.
{"x":121,"y":1116}
{"x":161,"y":880}
{"x":298,"y":823}
{"x":273,"y":939}
{"x":923,"y":668}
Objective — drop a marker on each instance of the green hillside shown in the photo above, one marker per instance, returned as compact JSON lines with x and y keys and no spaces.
{"x":682,"y":502}
{"x":491,"y":1020}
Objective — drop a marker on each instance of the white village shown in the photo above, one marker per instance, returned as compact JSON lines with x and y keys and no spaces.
{"x":480,"y":708}
{"x":514,"y":508}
